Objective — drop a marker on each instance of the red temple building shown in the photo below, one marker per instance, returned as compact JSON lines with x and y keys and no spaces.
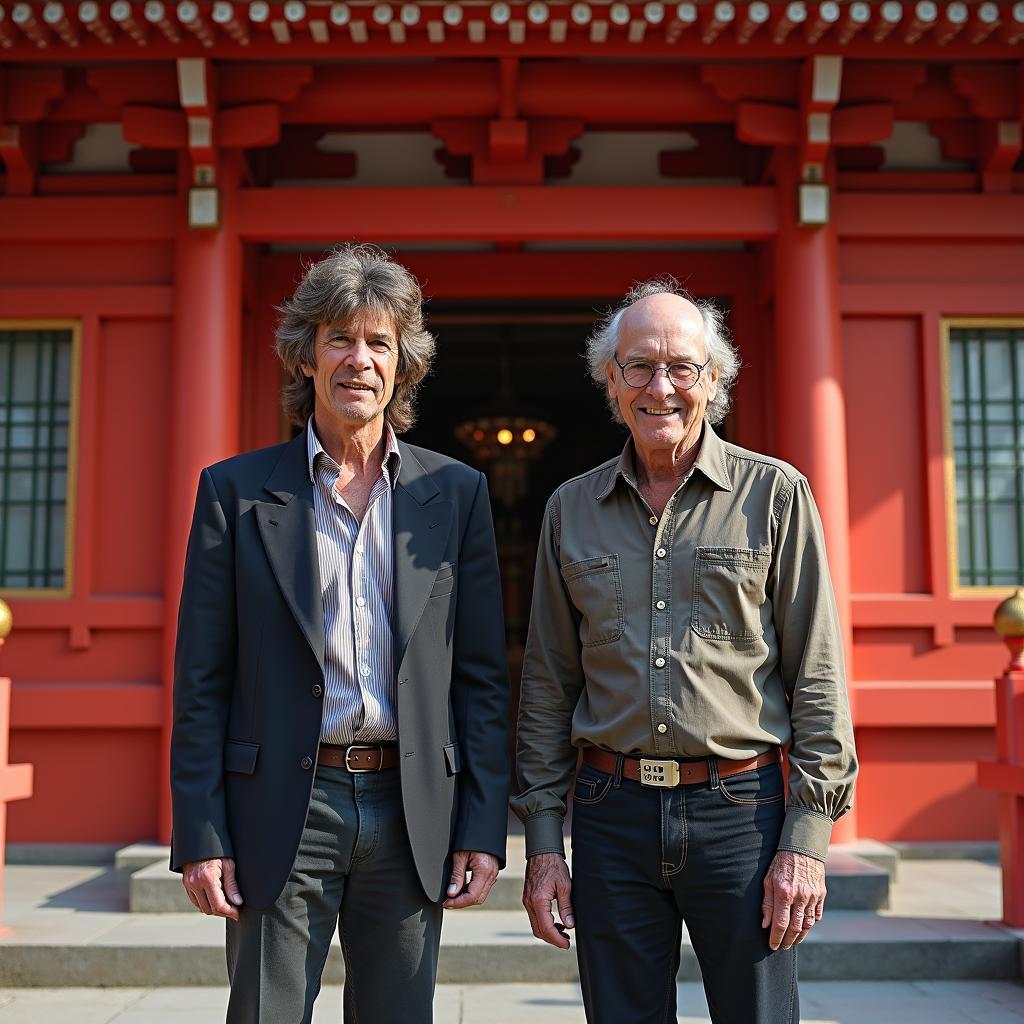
{"x":846,"y":178}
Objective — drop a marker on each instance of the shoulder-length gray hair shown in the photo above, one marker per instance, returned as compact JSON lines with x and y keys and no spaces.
{"x":602,"y":343}
{"x":354,"y":279}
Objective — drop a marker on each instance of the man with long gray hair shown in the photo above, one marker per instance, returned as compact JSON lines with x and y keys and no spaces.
{"x":338,"y":760}
{"x":683,"y":633}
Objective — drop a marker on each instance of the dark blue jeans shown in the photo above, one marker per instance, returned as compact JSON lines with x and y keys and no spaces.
{"x":647,"y":860}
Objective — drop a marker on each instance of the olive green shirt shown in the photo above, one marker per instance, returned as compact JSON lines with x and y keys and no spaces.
{"x":710,"y":631}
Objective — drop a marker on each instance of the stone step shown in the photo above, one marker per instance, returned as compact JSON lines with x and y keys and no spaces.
{"x":487,"y":946}
{"x":853,"y":883}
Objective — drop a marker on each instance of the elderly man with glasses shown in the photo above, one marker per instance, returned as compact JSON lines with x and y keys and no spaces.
{"x":683,"y":635}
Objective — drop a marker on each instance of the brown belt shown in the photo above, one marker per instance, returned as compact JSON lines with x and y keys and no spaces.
{"x":668,"y":772}
{"x":359,"y":757}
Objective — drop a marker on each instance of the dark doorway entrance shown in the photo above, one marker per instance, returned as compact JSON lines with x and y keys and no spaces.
{"x":542,"y":347}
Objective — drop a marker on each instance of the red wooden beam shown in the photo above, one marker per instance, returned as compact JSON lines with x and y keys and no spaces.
{"x":86,"y":706}
{"x":610,"y":93}
{"x":890,"y":216}
{"x":1007,"y":779}
{"x":112,"y":302}
{"x":495,"y":214}
{"x":134,"y":218}
{"x":421,"y":93}
{"x":127,"y":38}
{"x":19,"y":156}
{"x":933,"y":704}
{"x":515,"y":214}
{"x":589,"y":274}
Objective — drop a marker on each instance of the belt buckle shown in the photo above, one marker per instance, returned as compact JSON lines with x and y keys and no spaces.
{"x":660,"y":774}
{"x":362,"y":746}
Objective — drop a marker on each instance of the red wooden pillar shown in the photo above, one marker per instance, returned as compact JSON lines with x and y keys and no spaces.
{"x":809,"y":386}
{"x":15,"y":779}
{"x":205,"y":394}
{"x":1006,"y":774}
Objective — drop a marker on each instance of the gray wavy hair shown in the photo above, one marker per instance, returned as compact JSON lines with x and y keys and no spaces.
{"x":602,"y":343}
{"x":352,"y":280}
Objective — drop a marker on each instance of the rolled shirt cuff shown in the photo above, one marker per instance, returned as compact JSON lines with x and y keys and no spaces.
{"x":806,"y":831}
{"x":544,"y":833}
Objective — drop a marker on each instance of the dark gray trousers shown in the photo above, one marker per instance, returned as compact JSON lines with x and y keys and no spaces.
{"x":354,"y":872}
{"x":647,"y":860}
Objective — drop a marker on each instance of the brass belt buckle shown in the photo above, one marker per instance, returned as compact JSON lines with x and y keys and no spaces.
{"x":662,"y":774}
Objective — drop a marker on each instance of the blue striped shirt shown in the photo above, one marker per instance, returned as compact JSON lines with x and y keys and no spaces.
{"x":357,"y":585}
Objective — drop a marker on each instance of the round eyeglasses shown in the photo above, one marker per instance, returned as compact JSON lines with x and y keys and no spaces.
{"x":638,"y":374}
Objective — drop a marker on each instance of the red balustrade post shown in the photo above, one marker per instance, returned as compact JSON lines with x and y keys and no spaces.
{"x":1005,"y":775}
{"x":15,"y":779}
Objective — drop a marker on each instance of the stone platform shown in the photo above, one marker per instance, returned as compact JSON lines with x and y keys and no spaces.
{"x":73,"y":926}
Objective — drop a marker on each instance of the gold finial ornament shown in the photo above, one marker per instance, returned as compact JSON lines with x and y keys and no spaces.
{"x":6,"y":620}
{"x":1009,"y":616}
{"x":1009,"y":623}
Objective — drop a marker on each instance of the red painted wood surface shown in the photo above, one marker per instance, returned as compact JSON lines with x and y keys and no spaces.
{"x":15,"y":780}
{"x":1005,"y":775}
{"x":204,"y":405}
{"x":811,"y":411}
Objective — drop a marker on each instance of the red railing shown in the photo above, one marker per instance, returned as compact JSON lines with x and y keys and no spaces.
{"x":1005,"y":774}
{"x":15,"y":779}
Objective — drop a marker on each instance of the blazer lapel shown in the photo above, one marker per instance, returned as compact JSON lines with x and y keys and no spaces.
{"x":288,"y":529}
{"x":421,"y":521}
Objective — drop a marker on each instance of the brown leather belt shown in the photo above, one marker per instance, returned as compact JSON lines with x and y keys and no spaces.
{"x":668,"y":772}
{"x":359,"y":757}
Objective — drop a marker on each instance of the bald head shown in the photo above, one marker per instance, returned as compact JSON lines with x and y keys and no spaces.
{"x":669,"y":319}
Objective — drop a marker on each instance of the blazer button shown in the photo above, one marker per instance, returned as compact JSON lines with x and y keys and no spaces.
{"x":307,"y":763}
{"x":318,"y":690}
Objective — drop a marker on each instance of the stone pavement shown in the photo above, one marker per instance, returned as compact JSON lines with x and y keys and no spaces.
{"x":72,"y":927}
{"x":858,"y":1002}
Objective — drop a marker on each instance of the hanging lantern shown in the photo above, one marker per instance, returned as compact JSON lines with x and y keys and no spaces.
{"x":505,"y":438}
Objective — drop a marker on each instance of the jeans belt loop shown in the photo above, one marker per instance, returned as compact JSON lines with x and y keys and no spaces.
{"x":714,"y":780}
{"x":617,"y":777}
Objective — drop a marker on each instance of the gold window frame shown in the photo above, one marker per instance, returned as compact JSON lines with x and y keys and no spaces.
{"x":75,"y":327}
{"x":947,"y":325}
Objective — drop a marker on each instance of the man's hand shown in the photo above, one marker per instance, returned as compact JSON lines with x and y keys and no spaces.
{"x":208,"y":882}
{"x":794,"y":897}
{"x":483,"y":869}
{"x":547,"y":879}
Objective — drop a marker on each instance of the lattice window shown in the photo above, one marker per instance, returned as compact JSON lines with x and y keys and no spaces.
{"x":986,"y":382}
{"x":36,"y":370}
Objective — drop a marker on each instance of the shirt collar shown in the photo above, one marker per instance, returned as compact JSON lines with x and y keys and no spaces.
{"x":710,"y":461}
{"x":392,"y":464}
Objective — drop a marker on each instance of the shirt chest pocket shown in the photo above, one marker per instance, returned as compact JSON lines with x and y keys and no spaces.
{"x":729,"y":592}
{"x":595,"y":586}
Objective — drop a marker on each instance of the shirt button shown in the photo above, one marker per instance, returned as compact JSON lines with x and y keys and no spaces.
{"x":661,"y":552}
{"x":307,"y":763}
{"x":663,"y":727}
{"x":660,"y":662}
{"x":660,"y":606}
{"x":653,"y":520}
{"x":360,"y":601}
{"x":317,"y":691}
{"x":365,"y":669}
